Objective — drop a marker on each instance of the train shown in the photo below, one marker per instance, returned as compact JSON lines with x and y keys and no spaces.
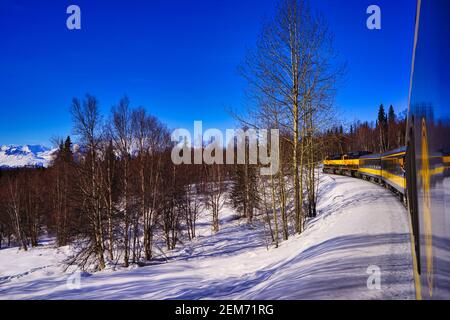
{"x":387,"y":169}
{"x":419,"y":172}
{"x":397,"y":171}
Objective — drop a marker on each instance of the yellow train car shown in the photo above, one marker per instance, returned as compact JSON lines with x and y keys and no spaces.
{"x":393,"y":169}
{"x":343,"y":164}
{"x":370,"y":167}
{"x":387,"y":168}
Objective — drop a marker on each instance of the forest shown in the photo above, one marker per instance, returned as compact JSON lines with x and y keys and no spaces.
{"x":388,"y":132}
{"x":116,"y":191}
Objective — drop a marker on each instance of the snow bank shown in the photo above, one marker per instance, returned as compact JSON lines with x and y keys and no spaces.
{"x":359,"y":225}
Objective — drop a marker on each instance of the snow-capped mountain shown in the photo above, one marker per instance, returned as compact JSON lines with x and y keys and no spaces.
{"x":14,"y":156}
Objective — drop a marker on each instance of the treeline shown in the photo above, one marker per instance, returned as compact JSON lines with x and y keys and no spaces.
{"x":388,"y":132}
{"x":115,"y":193}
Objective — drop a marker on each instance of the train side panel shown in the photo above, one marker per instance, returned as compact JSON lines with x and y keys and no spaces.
{"x":370,"y":166}
{"x":429,"y":146}
{"x":393,"y":169}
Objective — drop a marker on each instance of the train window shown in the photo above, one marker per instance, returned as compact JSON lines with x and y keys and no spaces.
{"x":394,"y":165}
{"x":402,"y":164}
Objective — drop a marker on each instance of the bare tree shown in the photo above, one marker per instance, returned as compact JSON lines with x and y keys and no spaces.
{"x":87,"y":125}
{"x":214,"y":192}
{"x":15,"y":211}
{"x":150,"y":139}
{"x":122,"y":134}
{"x":109,"y":181}
{"x":292,"y":78}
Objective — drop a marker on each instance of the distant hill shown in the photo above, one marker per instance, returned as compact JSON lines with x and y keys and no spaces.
{"x":15,"y":156}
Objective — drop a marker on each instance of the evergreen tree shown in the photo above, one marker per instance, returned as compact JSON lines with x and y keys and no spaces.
{"x":244,"y":190}
{"x":391,"y":115}
{"x":68,"y":155}
{"x":61,"y":150}
{"x":391,"y":131}
{"x":382,"y":128}
{"x":244,"y":193}
{"x":238,"y":190}
{"x":381,"y":115}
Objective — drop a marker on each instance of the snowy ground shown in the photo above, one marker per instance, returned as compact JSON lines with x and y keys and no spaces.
{"x":359,"y":225}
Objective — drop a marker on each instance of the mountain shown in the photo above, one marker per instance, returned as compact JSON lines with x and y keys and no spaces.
{"x":14,"y":156}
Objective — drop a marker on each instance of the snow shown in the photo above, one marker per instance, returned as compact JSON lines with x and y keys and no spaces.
{"x":359,"y":225}
{"x":28,"y":155}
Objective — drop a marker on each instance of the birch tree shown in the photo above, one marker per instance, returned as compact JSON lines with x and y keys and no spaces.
{"x":87,"y":126}
{"x":122,"y":134}
{"x":292,"y":77}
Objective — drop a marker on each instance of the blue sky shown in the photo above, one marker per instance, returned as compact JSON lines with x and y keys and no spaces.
{"x":177,"y":58}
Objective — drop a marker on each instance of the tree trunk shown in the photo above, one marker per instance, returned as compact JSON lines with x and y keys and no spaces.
{"x":274,"y":208}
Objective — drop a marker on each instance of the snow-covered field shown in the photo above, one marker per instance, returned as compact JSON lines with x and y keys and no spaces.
{"x":359,"y":226}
